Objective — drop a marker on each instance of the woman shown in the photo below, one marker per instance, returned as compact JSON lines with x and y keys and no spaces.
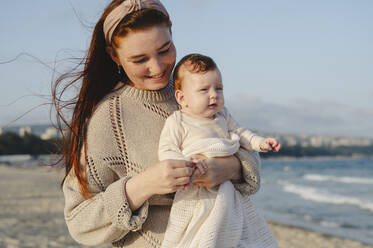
{"x":116,"y":191}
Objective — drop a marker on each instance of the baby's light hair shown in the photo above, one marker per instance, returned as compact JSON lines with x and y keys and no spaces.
{"x":194,"y":63}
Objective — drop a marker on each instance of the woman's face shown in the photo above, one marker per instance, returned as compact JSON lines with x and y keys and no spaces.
{"x":147,"y":56}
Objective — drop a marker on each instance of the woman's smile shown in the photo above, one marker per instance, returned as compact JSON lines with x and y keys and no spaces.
{"x":157,"y":78}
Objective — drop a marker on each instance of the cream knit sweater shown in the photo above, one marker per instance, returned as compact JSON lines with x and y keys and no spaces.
{"x":218,"y":217}
{"x":123,"y":136}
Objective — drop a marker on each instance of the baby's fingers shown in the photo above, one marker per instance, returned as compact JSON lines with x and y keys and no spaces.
{"x":277,"y":147}
{"x":202,"y":167}
{"x":265,"y":147}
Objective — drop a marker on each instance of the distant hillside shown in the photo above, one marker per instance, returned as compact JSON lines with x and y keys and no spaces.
{"x":11,"y":143}
{"x":292,"y":146}
{"x":41,"y":138}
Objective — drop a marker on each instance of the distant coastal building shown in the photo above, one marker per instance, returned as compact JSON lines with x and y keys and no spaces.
{"x":323,"y":141}
{"x":49,"y":133}
{"x":351,"y":142}
{"x":46,"y":132}
{"x":289,"y":140}
{"x":24,"y":130}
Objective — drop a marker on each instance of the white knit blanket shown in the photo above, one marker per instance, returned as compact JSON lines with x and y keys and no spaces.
{"x":219,"y":217}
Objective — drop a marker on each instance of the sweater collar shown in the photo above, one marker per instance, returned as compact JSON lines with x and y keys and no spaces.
{"x":148,"y":95}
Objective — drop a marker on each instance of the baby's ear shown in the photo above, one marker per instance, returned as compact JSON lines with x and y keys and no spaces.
{"x":179,"y":97}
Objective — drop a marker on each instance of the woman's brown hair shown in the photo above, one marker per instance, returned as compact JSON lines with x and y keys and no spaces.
{"x":98,"y":78}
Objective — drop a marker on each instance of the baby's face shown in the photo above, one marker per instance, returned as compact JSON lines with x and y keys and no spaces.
{"x":202,"y":93}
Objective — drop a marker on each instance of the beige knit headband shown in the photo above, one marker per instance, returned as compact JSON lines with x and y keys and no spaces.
{"x":125,"y":8}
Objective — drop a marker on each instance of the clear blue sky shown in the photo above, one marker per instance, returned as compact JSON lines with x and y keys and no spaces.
{"x":288,"y":66}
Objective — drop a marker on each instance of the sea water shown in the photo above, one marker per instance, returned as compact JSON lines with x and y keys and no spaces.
{"x":331,"y":196}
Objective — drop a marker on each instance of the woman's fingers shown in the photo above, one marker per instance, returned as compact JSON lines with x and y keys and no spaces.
{"x":183,"y":172}
{"x":179,"y":163}
{"x":169,"y":175}
{"x":181,"y":181}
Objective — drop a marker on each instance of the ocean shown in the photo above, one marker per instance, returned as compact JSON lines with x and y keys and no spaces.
{"x":329,"y":196}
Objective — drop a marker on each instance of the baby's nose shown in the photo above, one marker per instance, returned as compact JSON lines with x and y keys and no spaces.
{"x":213,"y":99}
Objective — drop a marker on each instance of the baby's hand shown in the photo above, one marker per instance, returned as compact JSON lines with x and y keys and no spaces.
{"x":269,"y":144}
{"x":197,"y":162}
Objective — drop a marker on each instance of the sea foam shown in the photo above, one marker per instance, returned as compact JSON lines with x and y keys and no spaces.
{"x":320,"y":178}
{"x":316,"y":195}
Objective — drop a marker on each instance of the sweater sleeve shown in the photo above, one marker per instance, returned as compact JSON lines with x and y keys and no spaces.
{"x":105,"y":217}
{"x":250,"y":168}
{"x":170,"y":139}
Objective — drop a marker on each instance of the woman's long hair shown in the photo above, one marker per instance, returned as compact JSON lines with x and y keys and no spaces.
{"x":98,"y":78}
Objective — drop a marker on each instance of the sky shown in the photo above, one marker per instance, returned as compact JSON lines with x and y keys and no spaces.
{"x":289,"y":66}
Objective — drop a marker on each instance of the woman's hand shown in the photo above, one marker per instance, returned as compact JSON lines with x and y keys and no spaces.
{"x":168,"y":176}
{"x":162,"y":178}
{"x":218,"y":171}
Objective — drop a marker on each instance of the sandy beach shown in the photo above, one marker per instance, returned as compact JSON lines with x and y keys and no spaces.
{"x":31,"y":215}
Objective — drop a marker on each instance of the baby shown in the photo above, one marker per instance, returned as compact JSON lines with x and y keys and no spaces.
{"x":221,"y":216}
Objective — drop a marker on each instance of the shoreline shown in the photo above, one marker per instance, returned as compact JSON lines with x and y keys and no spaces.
{"x":319,"y":158}
{"x":27,"y":160}
{"x":33,"y":216}
{"x":289,"y":236}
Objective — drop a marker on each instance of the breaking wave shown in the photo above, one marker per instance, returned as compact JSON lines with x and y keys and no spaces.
{"x":320,"y":178}
{"x":313,"y":194}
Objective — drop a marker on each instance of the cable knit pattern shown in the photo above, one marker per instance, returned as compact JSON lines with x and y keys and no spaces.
{"x":122,"y":138}
{"x":250,"y":172}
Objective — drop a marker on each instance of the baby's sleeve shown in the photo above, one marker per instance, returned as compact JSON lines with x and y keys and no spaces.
{"x":170,"y":140}
{"x":248,"y":140}
{"x":248,"y":156}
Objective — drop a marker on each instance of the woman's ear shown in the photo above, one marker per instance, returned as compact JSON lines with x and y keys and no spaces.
{"x":180,"y":98}
{"x":113,"y":55}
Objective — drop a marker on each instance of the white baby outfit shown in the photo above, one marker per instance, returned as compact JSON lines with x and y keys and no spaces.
{"x":219,"y":217}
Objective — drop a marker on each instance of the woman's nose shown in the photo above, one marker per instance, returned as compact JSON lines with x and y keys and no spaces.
{"x":155,"y":67}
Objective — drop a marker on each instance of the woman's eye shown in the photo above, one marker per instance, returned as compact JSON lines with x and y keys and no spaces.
{"x":139,"y":61}
{"x":164,"y":51}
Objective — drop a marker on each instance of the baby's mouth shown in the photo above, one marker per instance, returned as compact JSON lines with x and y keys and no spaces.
{"x":212,"y":105}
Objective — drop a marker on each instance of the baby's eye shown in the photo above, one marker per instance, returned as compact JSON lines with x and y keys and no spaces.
{"x":219,"y":88}
{"x":203,"y":89}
